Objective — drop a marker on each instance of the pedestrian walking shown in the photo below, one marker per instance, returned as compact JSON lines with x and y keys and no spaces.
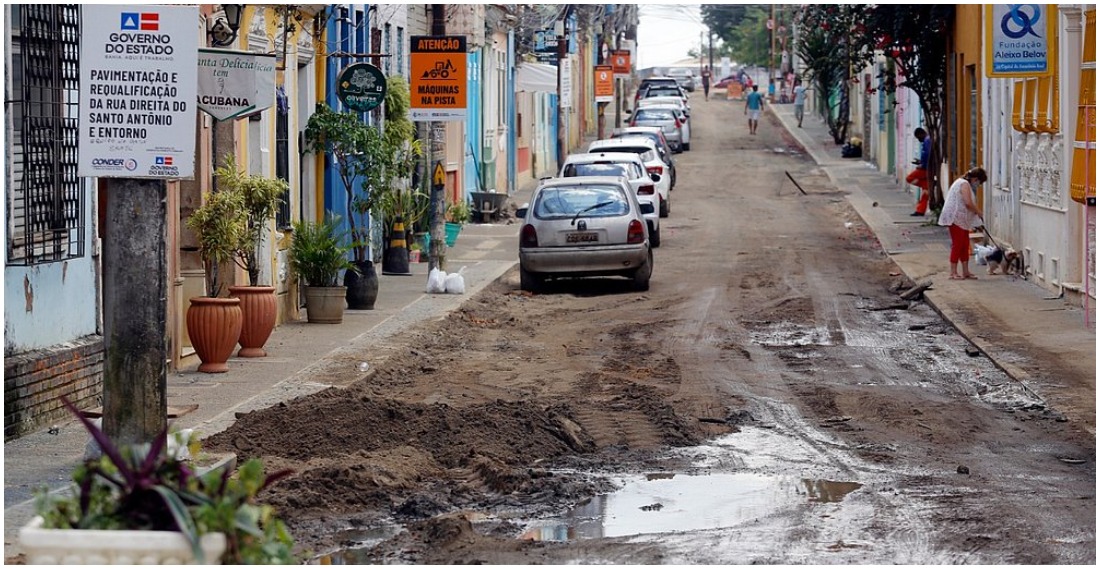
{"x":919,"y":176}
{"x":706,"y":83}
{"x":799,"y":100}
{"x":961,"y":215}
{"x":771,"y":90}
{"x":754,"y":103}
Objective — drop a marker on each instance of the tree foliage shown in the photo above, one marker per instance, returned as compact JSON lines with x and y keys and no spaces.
{"x":914,"y":36}
{"x":359,"y":153}
{"x":829,"y":53}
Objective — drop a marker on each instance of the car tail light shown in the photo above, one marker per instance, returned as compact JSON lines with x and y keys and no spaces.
{"x":645,"y":190}
{"x":678,"y":123}
{"x":659,"y":170}
{"x":528,"y":237}
{"x":636,"y":232}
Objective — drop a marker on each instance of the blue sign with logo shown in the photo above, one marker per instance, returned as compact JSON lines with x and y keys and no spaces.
{"x":1019,"y":39}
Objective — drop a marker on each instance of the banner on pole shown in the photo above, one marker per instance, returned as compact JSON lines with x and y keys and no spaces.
{"x":138,"y":91}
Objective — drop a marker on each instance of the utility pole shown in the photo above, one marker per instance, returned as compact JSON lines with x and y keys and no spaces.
{"x":771,"y":58}
{"x":437,"y":254}
{"x":710,"y":52}
{"x":563,"y":52}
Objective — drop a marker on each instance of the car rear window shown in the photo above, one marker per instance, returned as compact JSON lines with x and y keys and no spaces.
{"x":568,"y":201}
{"x":654,"y":115}
{"x":661,"y":92}
{"x":596,"y":169}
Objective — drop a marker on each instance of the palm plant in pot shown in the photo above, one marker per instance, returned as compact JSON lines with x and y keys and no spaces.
{"x":214,"y":323}
{"x":317,"y":255}
{"x":357,"y":151}
{"x":140,"y":505}
{"x":261,"y":198}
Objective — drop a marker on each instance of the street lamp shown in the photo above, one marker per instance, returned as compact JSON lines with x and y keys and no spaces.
{"x":224,"y":31}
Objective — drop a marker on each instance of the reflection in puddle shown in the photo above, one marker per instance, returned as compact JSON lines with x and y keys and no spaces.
{"x":357,"y":542}
{"x":663,"y":503}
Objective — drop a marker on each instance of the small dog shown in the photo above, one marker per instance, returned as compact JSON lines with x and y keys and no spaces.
{"x":1007,"y":260}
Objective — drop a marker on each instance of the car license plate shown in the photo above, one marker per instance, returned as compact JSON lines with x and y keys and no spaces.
{"x":582,"y":238}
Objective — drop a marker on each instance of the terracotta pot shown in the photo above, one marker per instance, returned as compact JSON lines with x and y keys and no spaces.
{"x":258,"y":307}
{"x":214,"y":325}
{"x":325,"y":304}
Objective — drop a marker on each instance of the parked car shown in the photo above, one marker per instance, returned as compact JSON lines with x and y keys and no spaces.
{"x":663,"y":82}
{"x":684,"y":77}
{"x":679,"y":114}
{"x":658,"y":137}
{"x":725,"y":81}
{"x":581,"y":227}
{"x":646,"y":149}
{"x":662,"y":91}
{"x":629,"y":166}
{"x":666,"y":118}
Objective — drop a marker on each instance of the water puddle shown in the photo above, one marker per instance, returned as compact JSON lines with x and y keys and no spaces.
{"x":664,"y":503}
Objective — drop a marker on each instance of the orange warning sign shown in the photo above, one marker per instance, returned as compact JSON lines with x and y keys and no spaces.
{"x":605,"y":83}
{"x":437,"y":73}
{"x":620,"y":61}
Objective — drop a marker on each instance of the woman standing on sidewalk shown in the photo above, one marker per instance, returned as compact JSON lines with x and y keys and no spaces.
{"x":960,"y":215}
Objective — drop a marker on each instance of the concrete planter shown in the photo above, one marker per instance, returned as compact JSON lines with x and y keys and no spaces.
{"x":114,"y":547}
{"x":325,"y":304}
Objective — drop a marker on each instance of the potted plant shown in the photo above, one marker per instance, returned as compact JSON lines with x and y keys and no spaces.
{"x":399,"y":206}
{"x":261,"y":198}
{"x":141,"y":505}
{"x":213,"y":323}
{"x":357,"y":152}
{"x":317,"y":255}
{"x":458,"y":214}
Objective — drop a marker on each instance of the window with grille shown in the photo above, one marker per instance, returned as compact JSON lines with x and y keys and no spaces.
{"x":401,"y":51}
{"x":45,"y":198}
{"x":282,"y":154}
{"x":387,"y":61}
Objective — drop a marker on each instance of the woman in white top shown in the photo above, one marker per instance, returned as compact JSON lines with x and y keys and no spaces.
{"x":960,"y":215}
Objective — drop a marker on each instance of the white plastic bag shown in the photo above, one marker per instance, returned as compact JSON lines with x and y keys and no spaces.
{"x":437,"y":281}
{"x":455,"y":283}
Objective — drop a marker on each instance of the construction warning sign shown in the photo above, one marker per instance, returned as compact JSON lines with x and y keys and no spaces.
{"x":620,"y":62}
{"x":605,"y":83}
{"x":437,"y":85}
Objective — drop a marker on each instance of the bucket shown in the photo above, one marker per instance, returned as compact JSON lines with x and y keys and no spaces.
{"x":452,"y":232}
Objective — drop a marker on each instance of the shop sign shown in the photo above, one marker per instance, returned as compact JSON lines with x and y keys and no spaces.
{"x":1019,"y":39}
{"x":233,"y":84}
{"x":361,"y":87}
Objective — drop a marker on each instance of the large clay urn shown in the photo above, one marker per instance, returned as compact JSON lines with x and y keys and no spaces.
{"x":214,"y":325}
{"x":258,"y":307}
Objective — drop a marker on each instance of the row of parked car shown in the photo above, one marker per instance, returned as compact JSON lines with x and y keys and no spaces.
{"x":601,"y":216}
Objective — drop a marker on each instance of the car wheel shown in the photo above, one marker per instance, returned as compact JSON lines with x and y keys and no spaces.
{"x":641,"y":275}
{"x":654,"y":236}
{"x":528,"y":281}
{"x":664,"y":208}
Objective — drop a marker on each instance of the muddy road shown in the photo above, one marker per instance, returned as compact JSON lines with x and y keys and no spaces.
{"x":769,"y":400}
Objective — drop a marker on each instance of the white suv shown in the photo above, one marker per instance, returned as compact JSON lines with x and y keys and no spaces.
{"x":646,"y":149}
{"x":629,"y":166}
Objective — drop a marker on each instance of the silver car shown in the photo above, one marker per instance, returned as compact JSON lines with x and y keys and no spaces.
{"x":665,"y":118}
{"x":584,"y":226}
{"x":629,"y":166}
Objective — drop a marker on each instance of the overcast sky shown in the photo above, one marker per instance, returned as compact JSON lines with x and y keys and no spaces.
{"x":666,"y":32}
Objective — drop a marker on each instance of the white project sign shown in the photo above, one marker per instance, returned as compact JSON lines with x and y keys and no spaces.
{"x":235,"y":83}
{"x":138,"y":88}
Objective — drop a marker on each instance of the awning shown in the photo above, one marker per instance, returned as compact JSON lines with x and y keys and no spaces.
{"x":532,"y":77}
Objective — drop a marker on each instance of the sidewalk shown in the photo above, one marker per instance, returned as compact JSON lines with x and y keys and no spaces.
{"x":1006,"y":317}
{"x":296,"y":350}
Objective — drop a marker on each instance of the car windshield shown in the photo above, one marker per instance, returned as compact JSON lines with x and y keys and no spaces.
{"x":654,"y":115}
{"x":567,"y":201}
{"x":596,"y":169}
